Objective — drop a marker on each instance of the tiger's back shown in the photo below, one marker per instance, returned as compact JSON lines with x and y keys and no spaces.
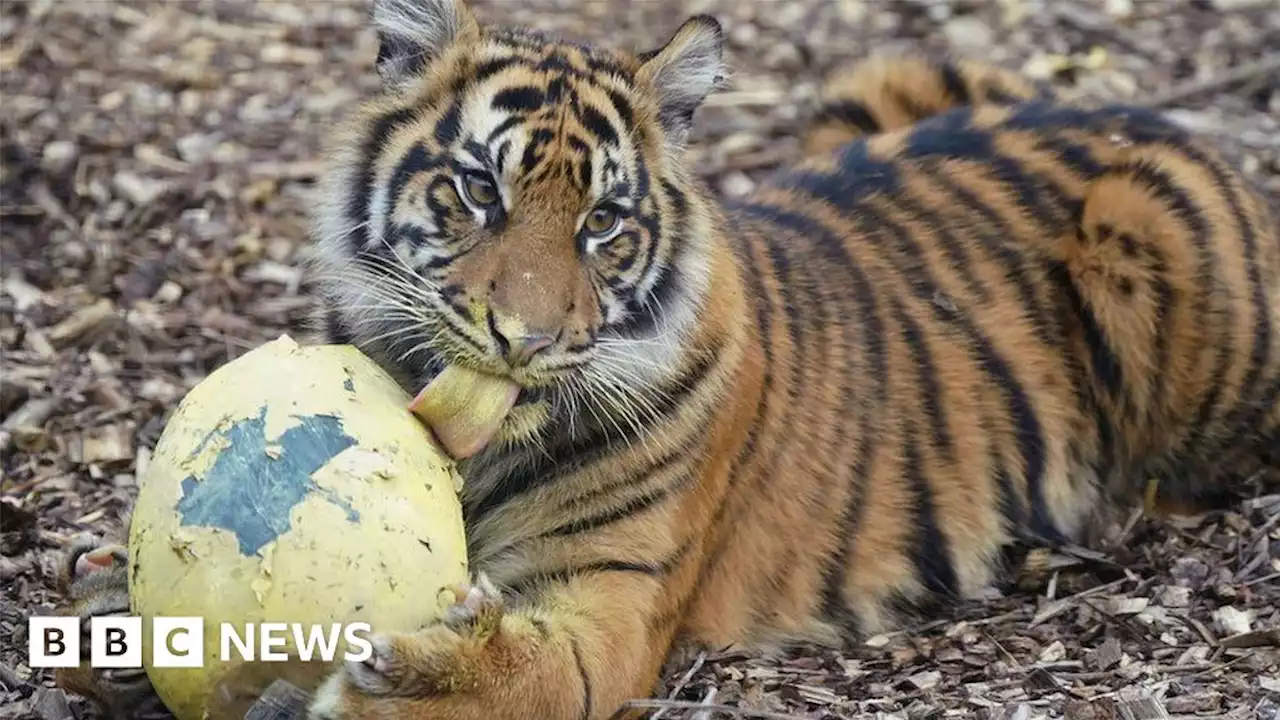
{"x":1228,"y":223}
{"x":986,"y":321}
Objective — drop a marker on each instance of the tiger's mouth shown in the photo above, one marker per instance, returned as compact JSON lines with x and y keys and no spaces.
{"x":466,"y":409}
{"x":530,"y":395}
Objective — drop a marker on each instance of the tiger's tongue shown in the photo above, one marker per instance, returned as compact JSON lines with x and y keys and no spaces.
{"x":464,"y":408}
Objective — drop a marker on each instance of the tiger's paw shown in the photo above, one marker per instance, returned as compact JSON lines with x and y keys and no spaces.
{"x":93,"y":577}
{"x":445,"y":670}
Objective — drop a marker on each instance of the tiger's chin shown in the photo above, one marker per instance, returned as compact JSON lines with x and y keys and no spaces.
{"x":527,"y":421}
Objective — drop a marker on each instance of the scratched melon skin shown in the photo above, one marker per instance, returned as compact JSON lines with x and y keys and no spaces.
{"x":292,"y":485}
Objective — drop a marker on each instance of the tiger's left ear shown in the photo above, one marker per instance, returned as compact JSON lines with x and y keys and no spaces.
{"x":413,"y":33}
{"x":684,"y":72}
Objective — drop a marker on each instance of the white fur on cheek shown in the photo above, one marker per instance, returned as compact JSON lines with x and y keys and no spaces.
{"x":377,"y":230}
{"x":651,"y":356}
{"x":595,"y":243}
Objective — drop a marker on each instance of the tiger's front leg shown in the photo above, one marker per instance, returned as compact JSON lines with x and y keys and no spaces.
{"x":578,"y":651}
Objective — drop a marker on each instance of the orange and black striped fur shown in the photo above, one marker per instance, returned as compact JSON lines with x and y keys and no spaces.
{"x":972,"y":315}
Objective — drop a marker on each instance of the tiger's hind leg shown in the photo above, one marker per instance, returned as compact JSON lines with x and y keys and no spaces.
{"x":884,"y":93}
{"x":1177,"y":268}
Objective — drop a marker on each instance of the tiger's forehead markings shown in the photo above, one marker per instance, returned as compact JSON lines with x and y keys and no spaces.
{"x":553,"y":113}
{"x":540,"y":49}
{"x":564,"y":61}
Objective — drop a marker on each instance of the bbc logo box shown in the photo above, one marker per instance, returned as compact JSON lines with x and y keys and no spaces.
{"x":179,"y":642}
{"x":115,"y":642}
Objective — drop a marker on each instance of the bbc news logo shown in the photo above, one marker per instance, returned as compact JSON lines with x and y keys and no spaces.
{"x":178,"y":642}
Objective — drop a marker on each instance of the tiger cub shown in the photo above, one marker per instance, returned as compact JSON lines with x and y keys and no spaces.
{"x":971,"y":315}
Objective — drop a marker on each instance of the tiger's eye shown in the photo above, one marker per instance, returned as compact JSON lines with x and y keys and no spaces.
{"x":481,"y":190}
{"x":601,"y":221}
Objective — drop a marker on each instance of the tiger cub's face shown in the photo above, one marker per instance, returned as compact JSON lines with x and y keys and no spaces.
{"x":517,"y":204}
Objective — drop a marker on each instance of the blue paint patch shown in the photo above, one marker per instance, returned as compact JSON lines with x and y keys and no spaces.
{"x":349,"y":385}
{"x":250,"y":492}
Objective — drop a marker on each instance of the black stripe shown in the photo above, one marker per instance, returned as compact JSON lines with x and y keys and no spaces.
{"x":1106,"y":441}
{"x":1060,"y":325}
{"x":931,"y":393}
{"x":518,"y":99}
{"x":416,"y":237}
{"x":850,"y":113}
{"x":538,"y":139}
{"x":335,"y":332}
{"x":1010,"y":506}
{"x":524,"y":585}
{"x":1106,"y":367}
{"x":808,"y":320}
{"x":509,"y":122}
{"x":1165,"y":301}
{"x":583,"y":150}
{"x":584,"y":172}
{"x":1140,"y":125}
{"x":632,"y":507}
{"x":415,"y":161}
{"x":557,"y":63}
{"x":594,"y":122}
{"x":954,"y":83}
{"x":440,"y":261}
{"x":642,"y":311}
{"x":361,"y":196}
{"x":754,"y":238}
{"x":557,"y":86}
{"x":932,"y":552}
{"x":790,"y":312}
{"x":857,"y":176}
{"x":447,"y":295}
{"x":633,"y":479}
{"x":449,"y":124}
{"x":501,"y":160}
{"x":1079,"y":158}
{"x":638,"y":503}
{"x":582,"y":673}
{"x":488,"y":68}
{"x":623,"y":106}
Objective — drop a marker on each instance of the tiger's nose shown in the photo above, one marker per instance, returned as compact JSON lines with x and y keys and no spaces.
{"x":516,"y":343}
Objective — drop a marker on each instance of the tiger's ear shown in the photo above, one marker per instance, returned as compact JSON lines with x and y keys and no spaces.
{"x":412,"y":33}
{"x":684,"y":72}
